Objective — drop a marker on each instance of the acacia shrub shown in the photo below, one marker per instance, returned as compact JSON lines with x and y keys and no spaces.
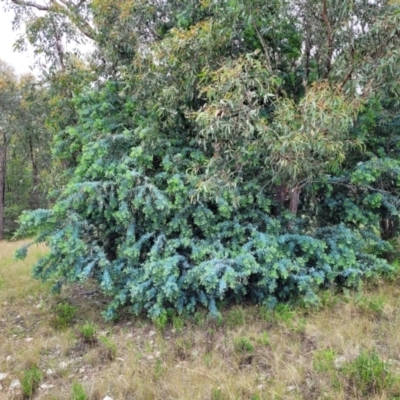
{"x":133,"y":220}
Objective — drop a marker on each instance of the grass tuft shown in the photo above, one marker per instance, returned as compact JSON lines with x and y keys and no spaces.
{"x":30,"y":380}
{"x":78,"y":392}
{"x":63,"y":316}
{"x":368,"y":373}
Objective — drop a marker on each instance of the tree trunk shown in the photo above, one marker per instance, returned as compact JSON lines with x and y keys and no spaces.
{"x":34,"y":200}
{"x":294,"y":203}
{"x":295,"y":199}
{"x":280,"y":196}
{"x":3,"y":158}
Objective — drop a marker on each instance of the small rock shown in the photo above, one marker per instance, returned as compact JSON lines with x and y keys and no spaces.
{"x":150,"y":357}
{"x":39,"y":305}
{"x":29,"y":339}
{"x":340,"y":361}
{"x":63,"y":365}
{"x":152,"y":333}
{"x":82,"y":370}
{"x":45,"y":386}
{"x":15,"y":384}
{"x":260,"y":387}
{"x":391,"y":361}
{"x":158,"y":353}
{"x":8,"y":358}
{"x":1,"y":387}
{"x":108,"y":398}
{"x":3,"y":376}
{"x":50,"y":372}
{"x":120,"y":359}
{"x":85,"y":378}
{"x":129,"y":335}
{"x":291,"y":388}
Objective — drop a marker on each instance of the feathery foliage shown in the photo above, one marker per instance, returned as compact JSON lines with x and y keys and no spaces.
{"x":236,"y":151}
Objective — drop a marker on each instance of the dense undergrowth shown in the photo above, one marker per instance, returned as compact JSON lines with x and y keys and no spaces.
{"x":135,"y":222}
{"x":199,"y":173}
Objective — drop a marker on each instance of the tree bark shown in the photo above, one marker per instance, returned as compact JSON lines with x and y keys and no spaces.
{"x":280,"y":196}
{"x":330,"y":46}
{"x":295,"y":199}
{"x":34,"y":200}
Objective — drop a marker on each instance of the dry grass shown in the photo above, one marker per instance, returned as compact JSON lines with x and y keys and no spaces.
{"x":348,"y":349}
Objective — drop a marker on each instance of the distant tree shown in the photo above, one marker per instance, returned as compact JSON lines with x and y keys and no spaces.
{"x":29,"y":176}
{"x":8,"y":104}
{"x":25,"y":155}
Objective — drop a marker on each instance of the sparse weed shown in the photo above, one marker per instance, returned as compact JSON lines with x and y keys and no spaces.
{"x":284,"y":313}
{"x":88,"y":332}
{"x":110,"y":348}
{"x":235,"y":317}
{"x":178,"y":323}
{"x":158,"y":369}
{"x":243,"y":345}
{"x":207,"y":360}
{"x":369,"y":373}
{"x":78,"y":392}
{"x":328,"y":298}
{"x":217,"y":394}
{"x":161,"y":322}
{"x":264,"y":339}
{"x":30,"y":380}
{"x":299,"y":326}
{"x":373,"y":305}
{"x":182,"y":347}
{"x":199,"y":318}
{"x":324,"y":360}
{"x":63,"y":316}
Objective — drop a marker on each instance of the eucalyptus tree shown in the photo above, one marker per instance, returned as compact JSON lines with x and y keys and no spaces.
{"x":32,"y":139}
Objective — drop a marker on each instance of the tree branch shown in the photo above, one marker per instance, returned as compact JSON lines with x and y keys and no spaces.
{"x":330,"y":38}
{"x":265,"y":48}
{"x":23,"y":3}
{"x":66,"y":8}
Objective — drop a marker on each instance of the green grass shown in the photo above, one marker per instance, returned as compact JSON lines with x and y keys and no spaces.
{"x":63,"y":316}
{"x":88,"y":332}
{"x":369,"y":373}
{"x":31,"y":380}
{"x":78,"y":392}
